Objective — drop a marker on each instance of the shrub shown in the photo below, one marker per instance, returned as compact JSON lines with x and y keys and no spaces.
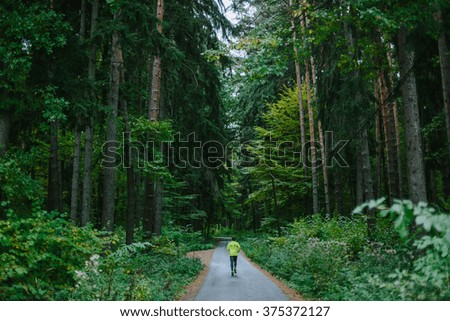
{"x":429,"y":233}
{"x":139,"y":271}
{"x":39,"y":254}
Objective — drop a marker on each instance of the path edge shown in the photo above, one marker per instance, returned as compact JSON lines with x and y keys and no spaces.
{"x":192,"y":290}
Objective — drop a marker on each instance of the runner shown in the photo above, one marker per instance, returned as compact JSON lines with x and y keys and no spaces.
{"x":233,"y":247}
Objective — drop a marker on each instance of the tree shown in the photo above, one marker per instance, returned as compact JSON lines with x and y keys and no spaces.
{"x":109,"y":172}
{"x":89,"y":129}
{"x":154,"y":114}
{"x":445,"y":71}
{"x":416,"y":172}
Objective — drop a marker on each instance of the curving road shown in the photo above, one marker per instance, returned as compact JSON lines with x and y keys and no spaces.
{"x":248,"y":285}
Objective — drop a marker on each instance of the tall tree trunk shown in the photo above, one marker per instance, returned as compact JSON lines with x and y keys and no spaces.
{"x":364,"y":144}
{"x":154,"y":115}
{"x":87,"y":174}
{"x":82,"y":19}
{"x":89,"y":129}
{"x":312,"y":141}
{"x":445,"y":73}
{"x":378,"y":155}
{"x":311,"y":127}
{"x":324,"y":170}
{"x":366,"y":167}
{"x":77,"y":135}
{"x":130,"y":185}
{"x":5,"y":125}
{"x":75,"y":176}
{"x":109,"y":172}
{"x":414,"y":154}
{"x":299,"y":86}
{"x":368,"y":186}
{"x":396,"y":126}
{"x":388,"y":139}
{"x":54,"y":201}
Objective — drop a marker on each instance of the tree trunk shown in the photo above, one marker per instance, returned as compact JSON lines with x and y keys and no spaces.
{"x":111,"y":132}
{"x":324,"y":170}
{"x":54,"y":201}
{"x":378,"y":155}
{"x":359,"y":179}
{"x":138,"y":199}
{"x":77,"y":135}
{"x":396,"y":127}
{"x":5,"y":125}
{"x":367,"y":179}
{"x":387,"y":126}
{"x":275,"y":204}
{"x":148,"y":215}
{"x":299,"y":87}
{"x":366,"y":167}
{"x":338,"y":192}
{"x":414,"y":154}
{"x":75,"y":177}
{"x":311,"y":127}
{"x":445,"y":73}
{"x":89,"y":129}
{"x":87,"y":175}
{"x":154,"y":115}
{"x":446,"y":181}
{"x":82,"y":20}
{"x":130,"y":188}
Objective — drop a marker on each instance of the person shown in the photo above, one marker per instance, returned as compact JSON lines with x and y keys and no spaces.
{"x":233,"y":248}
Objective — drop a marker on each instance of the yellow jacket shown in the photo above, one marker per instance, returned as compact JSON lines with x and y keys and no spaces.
{"x":233,"y":247}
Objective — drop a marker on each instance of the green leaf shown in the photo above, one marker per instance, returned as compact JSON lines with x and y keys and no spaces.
{"x":20,"y":270}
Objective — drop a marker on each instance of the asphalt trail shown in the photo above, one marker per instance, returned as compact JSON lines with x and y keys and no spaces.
{"x":248,"y":285}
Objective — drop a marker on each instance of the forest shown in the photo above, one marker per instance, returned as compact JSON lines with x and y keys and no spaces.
{"x":135,"y":131}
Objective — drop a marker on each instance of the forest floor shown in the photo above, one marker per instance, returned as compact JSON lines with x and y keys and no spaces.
{"x":252,"y":282}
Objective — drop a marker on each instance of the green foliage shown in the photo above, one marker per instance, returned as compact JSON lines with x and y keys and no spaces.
{"x":39,"y":254}
{"x":14,"y":178}
{"x":140,"y":271}
{"x":276,"y":155}
{"x":27,"y":29}
{"x":45,"y":257}
{"x":331,"y":259}
{"x":313,"y":254}
{"x":185,"y":240}
{"x":430,"y":236}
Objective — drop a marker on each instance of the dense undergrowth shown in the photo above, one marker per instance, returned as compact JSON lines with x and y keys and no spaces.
{"x":45,"y":257}
{"x":332,"y":259}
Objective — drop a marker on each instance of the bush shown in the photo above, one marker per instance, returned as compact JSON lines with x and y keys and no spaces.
{"x":186,"y":240}
{"x":39,"y":255}
{"x":333,"y":260}
{"x":135,"y":272}
{"x":427,"y":232}
{"x":46,"y":257}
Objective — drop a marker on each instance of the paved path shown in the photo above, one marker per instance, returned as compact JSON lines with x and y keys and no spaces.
{"x":248,"y":285}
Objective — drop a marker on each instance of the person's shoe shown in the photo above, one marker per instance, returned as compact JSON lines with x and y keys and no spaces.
{"x":235,"y":272}
{"x":232,"y":273}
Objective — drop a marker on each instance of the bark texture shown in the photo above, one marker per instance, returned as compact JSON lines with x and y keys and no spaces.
{"x":89,"y":129}
{"x":109,"y":172}
{"x":414,"y":154}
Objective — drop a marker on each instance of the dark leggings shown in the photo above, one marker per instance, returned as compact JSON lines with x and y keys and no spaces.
{"x":233,"y":263}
